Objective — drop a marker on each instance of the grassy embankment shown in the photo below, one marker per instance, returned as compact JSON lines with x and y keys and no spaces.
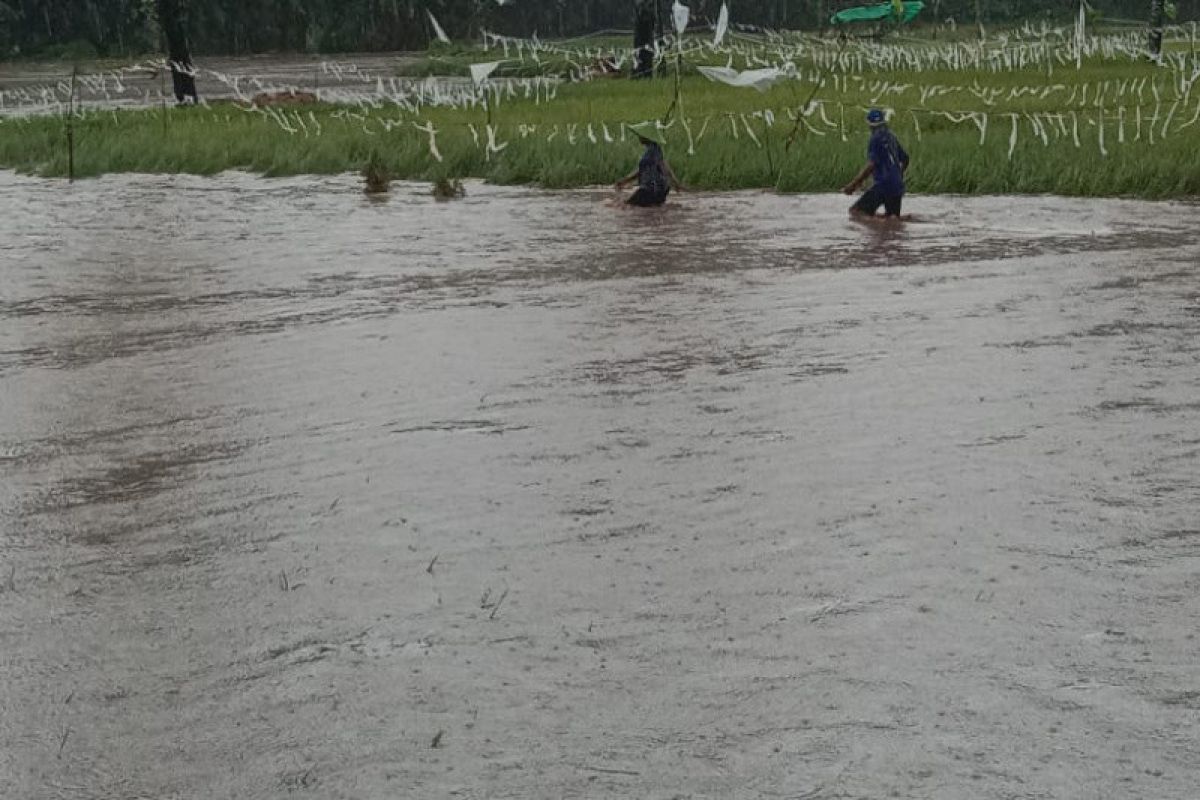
{"x":1058,"y":147}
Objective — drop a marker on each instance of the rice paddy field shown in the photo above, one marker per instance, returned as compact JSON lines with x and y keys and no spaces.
{"x":1036,"y":110}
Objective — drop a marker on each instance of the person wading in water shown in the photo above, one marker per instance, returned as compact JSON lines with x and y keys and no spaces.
{"x":654,"y":176}
{"x":887,"y":162}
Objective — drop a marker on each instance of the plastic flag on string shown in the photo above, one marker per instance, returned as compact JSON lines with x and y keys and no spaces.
{"x":480,"y":72}
{"x":722,"y":25}
{"x":760,"y":79}
{"x":437,"y":29}
{"x":680,"y":14}
{"x":721,"y":74}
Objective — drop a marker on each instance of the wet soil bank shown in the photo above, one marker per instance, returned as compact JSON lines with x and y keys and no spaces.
{"x":524,"y":496}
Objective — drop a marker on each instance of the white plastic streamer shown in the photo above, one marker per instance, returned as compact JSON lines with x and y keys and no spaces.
{"x":680,"y":14}
{"x":432,"y":132}
{"x":480,"y":72}
{"x":981,"y":122}
{"x":1170,"y":116}
{"x":437,"y":29}
{"x":492,"y":146}
{"x":691,"y":143}
{"x":1194,"y":119}
{"x":749,"y":130}
{"x":722,"y":26}
{"x":1039,"y":130}
{"x":760,"y":79}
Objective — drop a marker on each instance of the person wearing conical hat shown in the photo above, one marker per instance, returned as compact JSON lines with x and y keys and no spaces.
{"x":653,"y":174}
{"x":887,"y":162}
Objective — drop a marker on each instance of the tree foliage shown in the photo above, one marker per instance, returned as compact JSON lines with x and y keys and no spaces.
{"x":79,"y":28}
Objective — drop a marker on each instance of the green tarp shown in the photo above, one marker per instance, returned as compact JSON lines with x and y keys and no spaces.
{"x":879,"y":12}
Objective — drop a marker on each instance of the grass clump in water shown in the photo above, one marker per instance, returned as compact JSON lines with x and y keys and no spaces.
{"x":376,"y":176}
{"x":448,"y":189}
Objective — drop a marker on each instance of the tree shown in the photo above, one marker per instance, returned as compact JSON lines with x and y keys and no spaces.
{"x":121,"y":28}
{"x":171,"y":21}
{"x":643,"y":38}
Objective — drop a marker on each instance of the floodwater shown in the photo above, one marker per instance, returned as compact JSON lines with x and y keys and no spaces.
{"x":527,"y":496}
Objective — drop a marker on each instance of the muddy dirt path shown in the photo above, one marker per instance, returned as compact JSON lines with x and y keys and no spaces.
{"x":527,"y":497}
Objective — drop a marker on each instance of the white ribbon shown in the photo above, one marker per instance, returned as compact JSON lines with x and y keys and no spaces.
{"x":429,"y":129}
{"x":680,"y":13}
{"x":722,"y":25}
{"x":437,"y":29}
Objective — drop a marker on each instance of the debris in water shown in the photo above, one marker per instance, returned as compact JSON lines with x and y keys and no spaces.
{"x":496,"y":607}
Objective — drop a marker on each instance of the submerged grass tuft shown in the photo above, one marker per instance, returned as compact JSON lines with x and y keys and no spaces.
{"x":448,"y":189}
{"x":377,"y":177}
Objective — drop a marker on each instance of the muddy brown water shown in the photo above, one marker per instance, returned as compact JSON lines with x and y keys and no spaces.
{"x":525,"y":496}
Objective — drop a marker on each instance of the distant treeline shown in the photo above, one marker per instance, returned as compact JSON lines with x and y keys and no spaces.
{"x":82,"y":28}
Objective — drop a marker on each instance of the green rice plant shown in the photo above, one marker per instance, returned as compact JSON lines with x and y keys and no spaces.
{"x":1112,"y":127}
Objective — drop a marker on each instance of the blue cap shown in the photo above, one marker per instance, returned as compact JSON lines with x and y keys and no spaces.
{"x":875,"y":117}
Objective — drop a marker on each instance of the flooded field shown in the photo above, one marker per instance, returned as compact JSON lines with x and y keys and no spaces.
{"x":527,"y":496}
{"x":40,"y":88}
